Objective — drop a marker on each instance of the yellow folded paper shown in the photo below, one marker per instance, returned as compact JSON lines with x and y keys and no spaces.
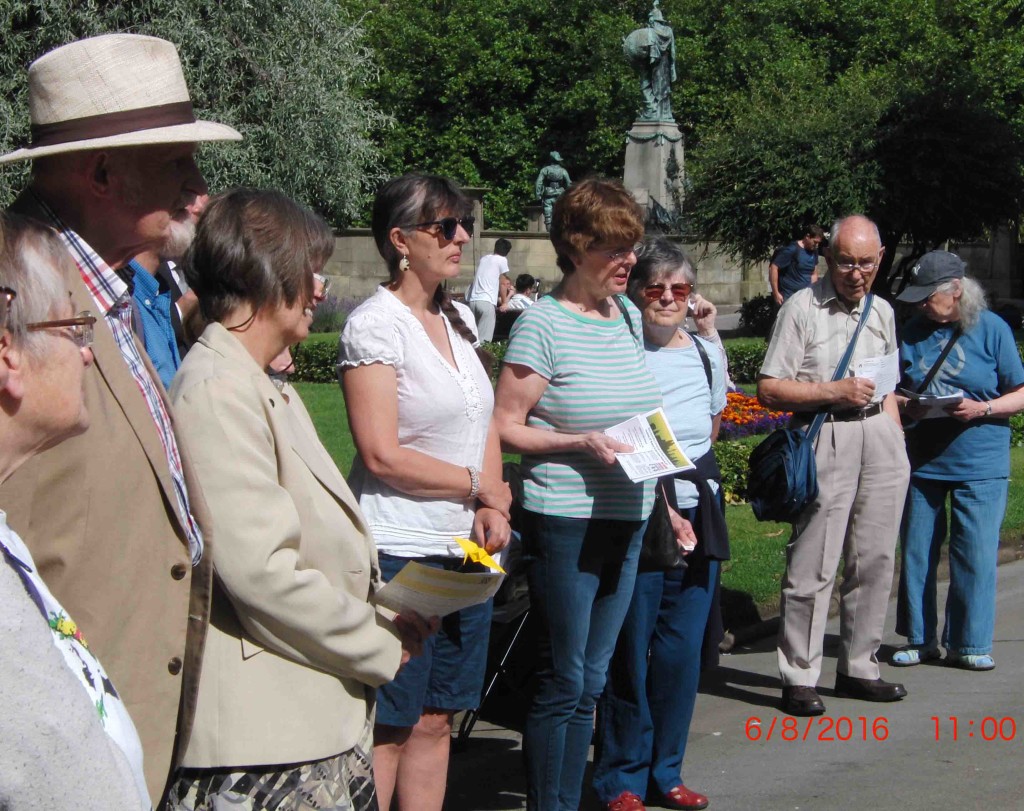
{"x":477,"y":554}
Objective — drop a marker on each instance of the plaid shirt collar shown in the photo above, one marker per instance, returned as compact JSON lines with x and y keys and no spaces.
{"x":107,"y":288}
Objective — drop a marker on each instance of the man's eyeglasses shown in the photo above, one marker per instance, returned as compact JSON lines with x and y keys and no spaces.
{"x":323,"y":281}
{"x":7,"y":295}
{"x":680,"y":292}
{"x":863,"y":267}
{"x":79,"y":329}
{"x":449,"y":225}
{"x":622,"y":253}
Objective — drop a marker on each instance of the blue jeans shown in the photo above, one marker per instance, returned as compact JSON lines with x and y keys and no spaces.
{"x":581,"y":575}
{"x":976,"y":514}
{"x":645,"y":712}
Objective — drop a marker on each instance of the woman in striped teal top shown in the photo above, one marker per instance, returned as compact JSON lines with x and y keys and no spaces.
{"x":574,"y":367}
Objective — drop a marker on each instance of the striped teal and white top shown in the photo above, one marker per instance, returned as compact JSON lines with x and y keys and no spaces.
{"x":597,"y":378}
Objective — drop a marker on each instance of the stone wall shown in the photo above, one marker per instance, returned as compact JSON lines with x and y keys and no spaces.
{"x":356,"y":268}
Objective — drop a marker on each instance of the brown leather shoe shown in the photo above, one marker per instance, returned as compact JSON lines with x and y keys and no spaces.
{"x":868,"y":689}
{"x":800,"y":700}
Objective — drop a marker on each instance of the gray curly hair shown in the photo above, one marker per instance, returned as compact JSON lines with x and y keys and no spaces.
{"x":972,"y":299}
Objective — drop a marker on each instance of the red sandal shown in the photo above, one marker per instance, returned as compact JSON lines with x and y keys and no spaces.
{"x":682,"y":798}
{"x":627,"y":801}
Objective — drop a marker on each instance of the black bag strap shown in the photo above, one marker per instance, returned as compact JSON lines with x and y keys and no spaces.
{"x":844,"y":363}
{"x":625,"y":317}
{"x":942,"y":356}
{"x":704,"y":359}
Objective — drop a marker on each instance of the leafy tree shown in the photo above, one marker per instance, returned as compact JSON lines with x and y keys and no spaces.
{"x":282,"y":72}
{"x":482,"y":91}
{"x":909,"y":112}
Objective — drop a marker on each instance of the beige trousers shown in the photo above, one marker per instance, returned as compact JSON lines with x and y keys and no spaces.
{"x":863,"y":474}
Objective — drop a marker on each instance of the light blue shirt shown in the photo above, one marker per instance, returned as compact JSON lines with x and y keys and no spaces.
{"x":688,"y":402}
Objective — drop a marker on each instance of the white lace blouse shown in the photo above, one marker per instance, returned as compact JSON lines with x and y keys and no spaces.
{"x":442,"y":411}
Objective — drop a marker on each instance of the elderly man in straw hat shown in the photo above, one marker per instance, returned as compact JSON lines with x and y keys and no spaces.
{"x":111,"y":517}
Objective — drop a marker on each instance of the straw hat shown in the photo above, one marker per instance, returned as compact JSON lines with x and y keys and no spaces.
{"x":111,"y":91}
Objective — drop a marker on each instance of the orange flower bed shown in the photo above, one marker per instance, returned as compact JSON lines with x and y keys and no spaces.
{"x":745,"y":416}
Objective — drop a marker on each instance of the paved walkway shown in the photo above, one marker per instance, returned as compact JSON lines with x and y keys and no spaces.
{"x":882,"y":756}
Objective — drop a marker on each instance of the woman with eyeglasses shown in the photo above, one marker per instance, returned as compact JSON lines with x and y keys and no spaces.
{"x":294,"y":648}
{"x":428,"y":467}
{"x":66,"y":738}
{"x":574,"y":367}
{"x":645,"y":712}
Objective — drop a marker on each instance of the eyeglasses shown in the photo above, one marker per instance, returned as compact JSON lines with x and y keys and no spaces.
{"x":7,"y":295}
{"x":863,"y":267}
{"x":680,"y":292}
{"x":323,"y":281}
{"x":622,"y":253}
{"x":78,"y":329}
{"x":449,"y":225}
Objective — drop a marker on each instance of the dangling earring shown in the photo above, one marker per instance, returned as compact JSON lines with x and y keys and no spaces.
{"x":403,"y":264}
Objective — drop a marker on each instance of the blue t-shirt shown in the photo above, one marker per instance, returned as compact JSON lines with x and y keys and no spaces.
{"x":688,"y":402}
{"x":984,"y":364}
{"x":796,"y":267}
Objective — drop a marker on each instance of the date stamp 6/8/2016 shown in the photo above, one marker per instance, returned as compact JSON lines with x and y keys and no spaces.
{"x":820,"y":728}
{"x":862,"y":728}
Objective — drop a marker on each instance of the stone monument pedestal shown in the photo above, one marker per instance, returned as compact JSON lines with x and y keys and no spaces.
{"x":535,"y":219}
{"x":649,"y":145}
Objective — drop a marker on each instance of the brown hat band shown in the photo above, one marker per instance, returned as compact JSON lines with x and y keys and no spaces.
{"x":107,"y":124}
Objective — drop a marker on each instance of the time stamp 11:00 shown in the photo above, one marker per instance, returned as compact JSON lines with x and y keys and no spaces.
{"x":862,"y":728}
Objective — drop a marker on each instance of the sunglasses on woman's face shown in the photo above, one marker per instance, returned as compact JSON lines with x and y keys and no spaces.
{"x":448,"y":225}
{"x":680,"y":292}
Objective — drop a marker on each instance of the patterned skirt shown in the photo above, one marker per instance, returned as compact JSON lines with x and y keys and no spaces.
{"x":340,"y":783}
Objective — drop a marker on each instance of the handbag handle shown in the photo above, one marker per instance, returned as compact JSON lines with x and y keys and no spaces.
{"x":844,"y":363}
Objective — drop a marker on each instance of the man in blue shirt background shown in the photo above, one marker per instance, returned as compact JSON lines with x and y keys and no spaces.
{"x":795,"y":266}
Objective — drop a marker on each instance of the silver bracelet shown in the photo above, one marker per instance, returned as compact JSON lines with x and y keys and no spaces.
{"x":474,"y":481}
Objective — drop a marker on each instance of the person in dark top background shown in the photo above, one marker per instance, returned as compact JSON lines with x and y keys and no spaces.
{"x":795,"y":266}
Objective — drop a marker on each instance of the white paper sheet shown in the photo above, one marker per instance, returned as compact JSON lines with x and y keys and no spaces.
{"x":655,"y":449}
{"x":436,"y":592}
{"x":935,"y":403}
{"x":882,"y":370}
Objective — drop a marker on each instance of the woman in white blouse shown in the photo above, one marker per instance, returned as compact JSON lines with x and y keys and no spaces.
{"x":428,"y":468}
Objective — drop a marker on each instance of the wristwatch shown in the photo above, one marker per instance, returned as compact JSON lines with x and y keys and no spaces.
{"x":988,"y":408}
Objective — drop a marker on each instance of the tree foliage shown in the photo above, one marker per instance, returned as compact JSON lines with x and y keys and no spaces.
{"x":910,"y":112}
{"x":482,"y":91}
{"x":282,"y":72}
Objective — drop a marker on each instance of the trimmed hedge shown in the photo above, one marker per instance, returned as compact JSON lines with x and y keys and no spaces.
{"x":746,"y":356}
{"x":757,"y":315}
{"x":315,"y":362}
{"x":732,"y":456}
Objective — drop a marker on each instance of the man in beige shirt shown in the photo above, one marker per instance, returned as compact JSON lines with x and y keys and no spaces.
{"x":862,"y":474}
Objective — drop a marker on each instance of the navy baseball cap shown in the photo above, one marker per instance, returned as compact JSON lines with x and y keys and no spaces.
{"x":932,"y":270}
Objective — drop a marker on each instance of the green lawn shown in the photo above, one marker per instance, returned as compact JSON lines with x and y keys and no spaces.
{"x":758,"y":549}
{"x":326,"y":407}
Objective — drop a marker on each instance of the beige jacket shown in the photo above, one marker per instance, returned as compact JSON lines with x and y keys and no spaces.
{"x":294,"y":649}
